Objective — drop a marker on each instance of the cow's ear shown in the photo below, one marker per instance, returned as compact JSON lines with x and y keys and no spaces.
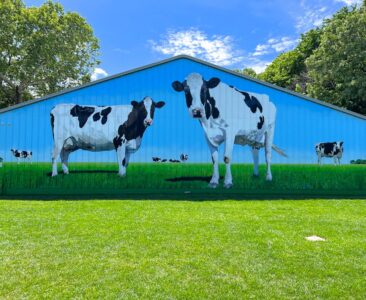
{"x":159,"y":104}
{"x":213,"y":82}
{"x":341,"y":143}
{"x":177,"y":86}
{"x":134,"y":103}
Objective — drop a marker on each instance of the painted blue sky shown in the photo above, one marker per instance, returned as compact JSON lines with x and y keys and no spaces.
{"x":230,"y":33}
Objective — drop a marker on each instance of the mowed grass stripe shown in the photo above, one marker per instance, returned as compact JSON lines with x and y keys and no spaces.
{"x":182,"y":250}
{"x":99,"y":178}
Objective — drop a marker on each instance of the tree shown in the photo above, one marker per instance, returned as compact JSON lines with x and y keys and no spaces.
{"x":42,"y":50}
{"x":248,"y":72}
{"x":288,"y":70}
{"x":337,"y":69}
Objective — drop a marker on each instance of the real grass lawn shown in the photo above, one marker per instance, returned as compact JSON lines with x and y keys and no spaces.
{"x":170,"y":178}
{"x":182,"y":249}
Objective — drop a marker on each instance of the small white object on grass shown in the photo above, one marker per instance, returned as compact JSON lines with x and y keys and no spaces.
{"x":314,"y":238}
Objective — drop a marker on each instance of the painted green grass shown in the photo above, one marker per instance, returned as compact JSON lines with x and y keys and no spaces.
{"x":182,"y":250}
{"x":99,"y":178}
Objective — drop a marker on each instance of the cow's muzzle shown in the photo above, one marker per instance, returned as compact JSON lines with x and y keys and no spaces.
{"x":148,"y":122}
{"x":196,"y":113}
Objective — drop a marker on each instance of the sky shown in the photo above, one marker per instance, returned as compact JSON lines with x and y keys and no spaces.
{"x":233,"y":33}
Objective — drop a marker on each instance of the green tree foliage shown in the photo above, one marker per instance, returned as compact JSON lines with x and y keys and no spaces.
{"x":288,"y":70}
{"x":248,"y":72}
{"x":337,"y":67}
{"x":42,"y":50}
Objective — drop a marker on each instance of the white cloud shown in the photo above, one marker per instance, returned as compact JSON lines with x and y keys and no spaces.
{"x":257,"y":65}
{"x":217,"y":49}
{"x":313,"y":16}
{"x":275,"y":45}
{"x":351,"y":2}
{"x":98,"y":73}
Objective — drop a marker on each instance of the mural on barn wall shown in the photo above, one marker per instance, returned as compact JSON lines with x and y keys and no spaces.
{"x":297,"y":127}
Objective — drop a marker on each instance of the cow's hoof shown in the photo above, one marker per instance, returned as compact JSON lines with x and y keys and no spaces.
{"x":66,"y":172}
{"x":228,"y":185}
{"x":121,"y":175}
{"x":255,"y":175}
{"x":53,"y":174}
{"x":213,"y":185}
{"x":269,"y":178}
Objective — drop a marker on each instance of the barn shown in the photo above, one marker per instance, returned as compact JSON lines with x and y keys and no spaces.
{"x":300,"y":124}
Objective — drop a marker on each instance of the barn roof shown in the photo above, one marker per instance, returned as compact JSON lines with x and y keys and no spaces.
{"x":183,"y":56}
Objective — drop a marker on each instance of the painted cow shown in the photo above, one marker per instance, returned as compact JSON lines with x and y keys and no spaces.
{"x":18,"y":154}
{"x":334,"y":149}
{"x":100,"y":128}
{"x":232,"y":116}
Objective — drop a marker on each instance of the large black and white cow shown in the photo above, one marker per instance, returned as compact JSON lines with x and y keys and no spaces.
{"x":232,"y":116}
{"x":100,"y":128}
{"x":334,"y":149}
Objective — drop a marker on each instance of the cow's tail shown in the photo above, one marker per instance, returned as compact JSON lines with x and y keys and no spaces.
{"x":53,"y":124}
{"x":279,"y":150}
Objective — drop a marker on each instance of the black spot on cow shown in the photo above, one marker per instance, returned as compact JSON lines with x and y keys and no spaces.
{"x":105,"y":112}
{"x":251,"y":101}
{"x":96,"y":117}
{"x":124,"y":162}
{"x":328,"y":147}
{"x":82,"y":113}
{"x":52,"y":124}
{"x":206,"y":99}
{"x":261,"y":122}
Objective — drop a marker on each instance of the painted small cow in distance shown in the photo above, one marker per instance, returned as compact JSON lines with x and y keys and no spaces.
{"x":334,"y":149}
{"x":231,"y":116}
{"x":96,"y":128}
{"x":18,"y":154}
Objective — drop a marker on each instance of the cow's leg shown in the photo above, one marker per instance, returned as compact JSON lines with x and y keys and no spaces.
{"x":319,"y":159}
{"x":57,"y":147}
{"x":335,"y":160}
{"x":255,"y":152}
{"x":215,"y":162}
{"x":65,"y":160}
{"x":229,"y":145}
{"x":268,"y":141}
{"x":121,"y":158}
{"x":127,"y":158}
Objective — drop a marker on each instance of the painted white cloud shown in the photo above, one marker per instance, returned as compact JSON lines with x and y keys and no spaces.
{"x":217,"y":49}
{"x":98,"y":73}
{"x":275,"y":45}
{"x":351,"y":2}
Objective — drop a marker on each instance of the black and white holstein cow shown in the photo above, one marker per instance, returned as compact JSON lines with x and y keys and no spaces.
{"x":96,"y":128}
{"x":334,"y":149}
{"x":232,"y":116}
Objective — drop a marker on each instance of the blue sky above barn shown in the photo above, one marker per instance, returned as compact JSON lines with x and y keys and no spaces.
{"x":232,"y":33}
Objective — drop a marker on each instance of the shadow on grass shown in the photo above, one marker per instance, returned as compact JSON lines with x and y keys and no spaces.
{"x":87,"y":172}
{"x":191,"y":178}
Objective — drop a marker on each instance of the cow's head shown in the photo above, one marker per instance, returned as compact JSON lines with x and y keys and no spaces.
{"x":145,"y":109}
{"x":199,"y":102}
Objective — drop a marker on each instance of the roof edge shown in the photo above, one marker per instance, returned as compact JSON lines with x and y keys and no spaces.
{"x":184,"y":56}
